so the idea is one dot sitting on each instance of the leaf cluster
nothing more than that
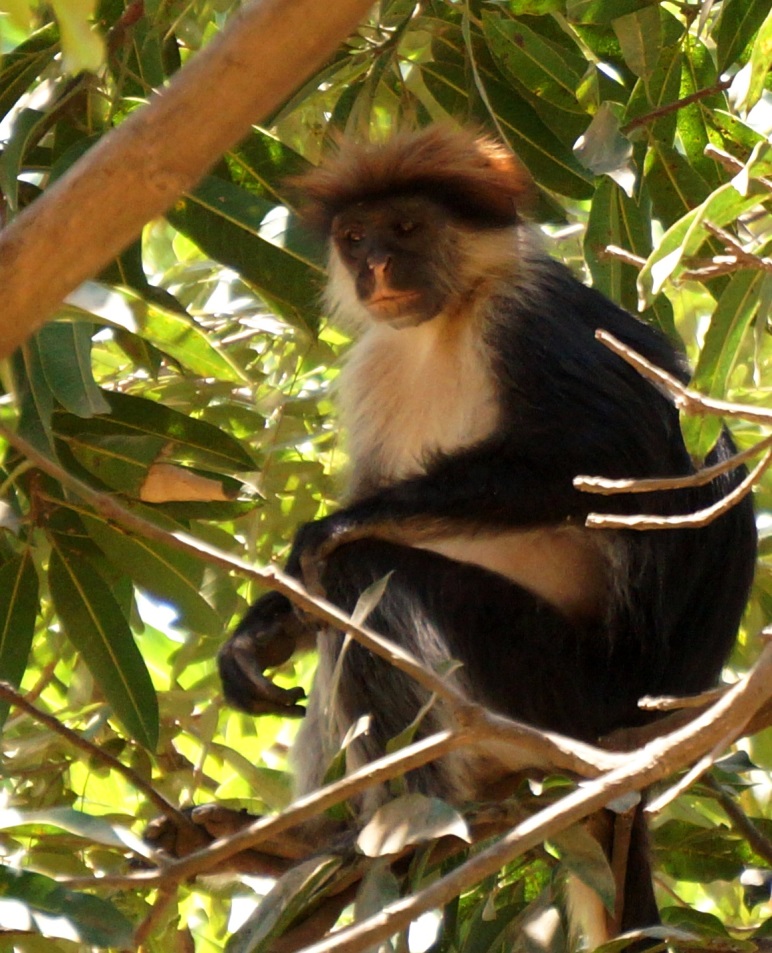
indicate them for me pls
(191, 379)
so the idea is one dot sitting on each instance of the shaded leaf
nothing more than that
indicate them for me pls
(33, 903)
(98, 629)
(584, 857)
(234, 226)
(65, 356)
(18, 611)
(170, 575)
(290, 895)
(186, 439)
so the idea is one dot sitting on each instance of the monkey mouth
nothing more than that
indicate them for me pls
(388, 304)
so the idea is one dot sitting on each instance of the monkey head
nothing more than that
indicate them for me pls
(414, 226)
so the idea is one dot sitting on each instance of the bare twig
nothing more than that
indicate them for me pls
(696, 519)
(686, 399)
(9, 694)
(731, 164)
(605, 487)
(674, 106)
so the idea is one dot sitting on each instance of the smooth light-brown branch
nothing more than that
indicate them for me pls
(696, 519)
(136, 171)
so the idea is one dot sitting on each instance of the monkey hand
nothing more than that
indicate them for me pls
(267, 636)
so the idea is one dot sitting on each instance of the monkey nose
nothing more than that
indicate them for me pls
(379, 265)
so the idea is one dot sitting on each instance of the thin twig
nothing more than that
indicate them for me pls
(686, 399)
(9, 694)
(696, 519)
(677, 104)
(602, 486)
(731, 164)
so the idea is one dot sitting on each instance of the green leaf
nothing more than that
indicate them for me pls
(289, 897)
(760, 64)
(674, 186)
(551, 162)
(583, 856)
(235, 227)
(33, 903)
(27, 128)
(94, 829)
(689, 233)
(602, 12)
(34, 397)
(730, 321)
(120, 462)
(18, 611)
(526, 57)
(739, 23)
(65, 356)
(640, 37)
(98, 629)
(23, 65)
(698, 854)
(168, 574)
(170, 331)
(187, 440)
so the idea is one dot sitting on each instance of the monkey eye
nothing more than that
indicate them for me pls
(353, 235)
(405, 227)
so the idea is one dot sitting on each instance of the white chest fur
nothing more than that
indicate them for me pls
(408, 393)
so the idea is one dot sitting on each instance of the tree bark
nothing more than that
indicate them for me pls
(138, 169)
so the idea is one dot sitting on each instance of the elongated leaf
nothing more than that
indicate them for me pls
(170, 331)
(601, 12)
(28, 125)
(698, 74)
(616, 219)
(119, 461)
(18, 610)
(33, 395)
(761, 62)
(95, 829)
(740, 21)
(24, 64)
(229, 224)
(552, 163)
(36, 904)
(187, 439)
(730, 321)
(734, 312)
(168, 574)
(98, 629)
(65, 357)
(640, 36)
(526, 57)
(688, 234)
(290, 895)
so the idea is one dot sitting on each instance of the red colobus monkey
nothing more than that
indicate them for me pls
(474, 395)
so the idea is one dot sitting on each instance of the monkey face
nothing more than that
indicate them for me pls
(400, 252)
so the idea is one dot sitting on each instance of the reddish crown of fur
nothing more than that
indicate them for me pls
(473, 176)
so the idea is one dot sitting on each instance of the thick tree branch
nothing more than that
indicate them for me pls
(137, 171)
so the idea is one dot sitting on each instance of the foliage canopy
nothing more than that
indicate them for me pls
(191, 379)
